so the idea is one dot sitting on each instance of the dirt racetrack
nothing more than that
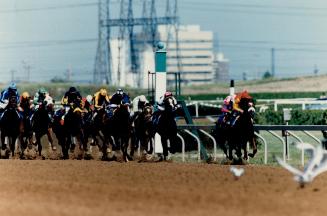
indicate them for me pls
(109, 188)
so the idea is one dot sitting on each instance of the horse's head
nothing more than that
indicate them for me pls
(147, 112)
(169, 104)
(12, 103)
(248, 106)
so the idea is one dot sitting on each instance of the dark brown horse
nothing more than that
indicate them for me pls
(165, 125)
(41, 122)
(143, 130)
(11, 127)
(117, 129)
(237, 131)
(70, 132)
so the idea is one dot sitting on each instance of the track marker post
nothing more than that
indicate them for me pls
(160, 85)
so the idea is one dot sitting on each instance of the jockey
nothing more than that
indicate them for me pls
(42, 97)
(226, 110)
(139, 103)
(161, 106)
(161, 102)
(26, 104)
(88, 103)
(11, 91)
(101, 98)
(237, 110)
(120, 97)
(71, 99)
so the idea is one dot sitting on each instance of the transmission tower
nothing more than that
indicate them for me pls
(102, 69)
(127, 23)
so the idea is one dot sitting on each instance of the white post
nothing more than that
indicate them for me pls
(197, 109)
(161, 85)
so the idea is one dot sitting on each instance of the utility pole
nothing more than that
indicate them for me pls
(12, 75)
(68, 74)
(273, 62)
(27, 69)
(315, 70)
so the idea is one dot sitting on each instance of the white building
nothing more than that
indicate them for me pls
(221, 68)
(195, 57)
(195, 54)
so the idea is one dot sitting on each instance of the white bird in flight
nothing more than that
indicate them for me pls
(237, 172)
(316, 165)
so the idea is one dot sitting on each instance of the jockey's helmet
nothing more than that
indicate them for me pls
(227, 100)
(12, 86)
(142, 99)
(72, 89)
(103, 92)
(120, 91)
(168, 94)
(89, 98)
(25, 95)
(42, 91)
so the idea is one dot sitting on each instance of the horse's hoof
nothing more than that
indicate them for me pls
(160, 159)
(253, 154)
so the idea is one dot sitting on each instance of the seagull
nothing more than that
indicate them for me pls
(237, 172)
(316, 165)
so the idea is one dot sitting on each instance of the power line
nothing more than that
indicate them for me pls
(267, 42)
(250, 11)
(91, 4)
(261, 6)
(45, 43)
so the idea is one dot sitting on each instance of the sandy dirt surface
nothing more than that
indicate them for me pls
(110, 188)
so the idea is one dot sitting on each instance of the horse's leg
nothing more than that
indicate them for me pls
(12, 141)
(134, 143)
(50, 139)
(3, 145)
(164, 147)
(245, 150)
(221, 141)
(254, 147)
(125, 144)
(151, 144)
(38, 142)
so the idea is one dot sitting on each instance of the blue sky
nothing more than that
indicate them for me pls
(245, 32)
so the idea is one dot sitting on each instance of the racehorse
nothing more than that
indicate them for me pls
(41, 124)
(11, 127)
(27, 133)
(70, 132)
(143, 130)
(235, 132)
(92, 126)
(117, 125)
(165, 125)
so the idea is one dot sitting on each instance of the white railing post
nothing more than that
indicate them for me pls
(214, 143)
(283, 142)
(198, 141)
(301, 141)
(196, 109)
(266, 147)
(183, 146)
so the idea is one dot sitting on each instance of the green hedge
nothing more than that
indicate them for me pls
(267, 95)
(299, 117)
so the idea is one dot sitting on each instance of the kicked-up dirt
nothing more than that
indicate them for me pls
(72, 187)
